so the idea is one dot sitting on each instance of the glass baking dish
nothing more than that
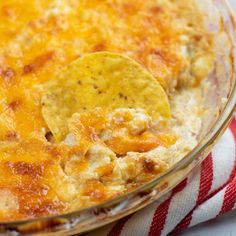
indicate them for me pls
(219, 93)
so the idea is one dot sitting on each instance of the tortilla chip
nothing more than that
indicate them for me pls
(102, 79)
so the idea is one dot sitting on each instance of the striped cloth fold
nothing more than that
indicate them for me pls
(210, 192)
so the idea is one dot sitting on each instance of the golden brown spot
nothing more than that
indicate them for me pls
(159, 53)
(12, 136)
(43, 208)
(54, 151)
(8, 73)
(156, 9)
(38, 63)
(100, 47)
(165, 57)
(14, 105)
(197, 37)
(148, 165)
(28, 68)
(8, 76)
(23, 168)
(34, 201)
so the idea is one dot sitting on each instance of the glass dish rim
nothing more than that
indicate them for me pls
(217, 129)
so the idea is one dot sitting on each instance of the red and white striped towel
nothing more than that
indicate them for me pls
(209, 193)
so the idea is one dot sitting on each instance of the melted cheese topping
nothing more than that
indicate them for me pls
(37, 38)
(35, 48)
(123, 130)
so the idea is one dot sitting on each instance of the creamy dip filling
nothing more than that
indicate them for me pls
(121, 173)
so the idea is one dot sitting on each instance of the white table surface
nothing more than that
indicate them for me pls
(223, 225)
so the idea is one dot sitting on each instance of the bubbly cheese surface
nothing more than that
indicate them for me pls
(39, 37)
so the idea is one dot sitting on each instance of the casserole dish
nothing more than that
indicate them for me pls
(219, 100)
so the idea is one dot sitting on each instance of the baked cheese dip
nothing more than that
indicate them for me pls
(96, 98)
